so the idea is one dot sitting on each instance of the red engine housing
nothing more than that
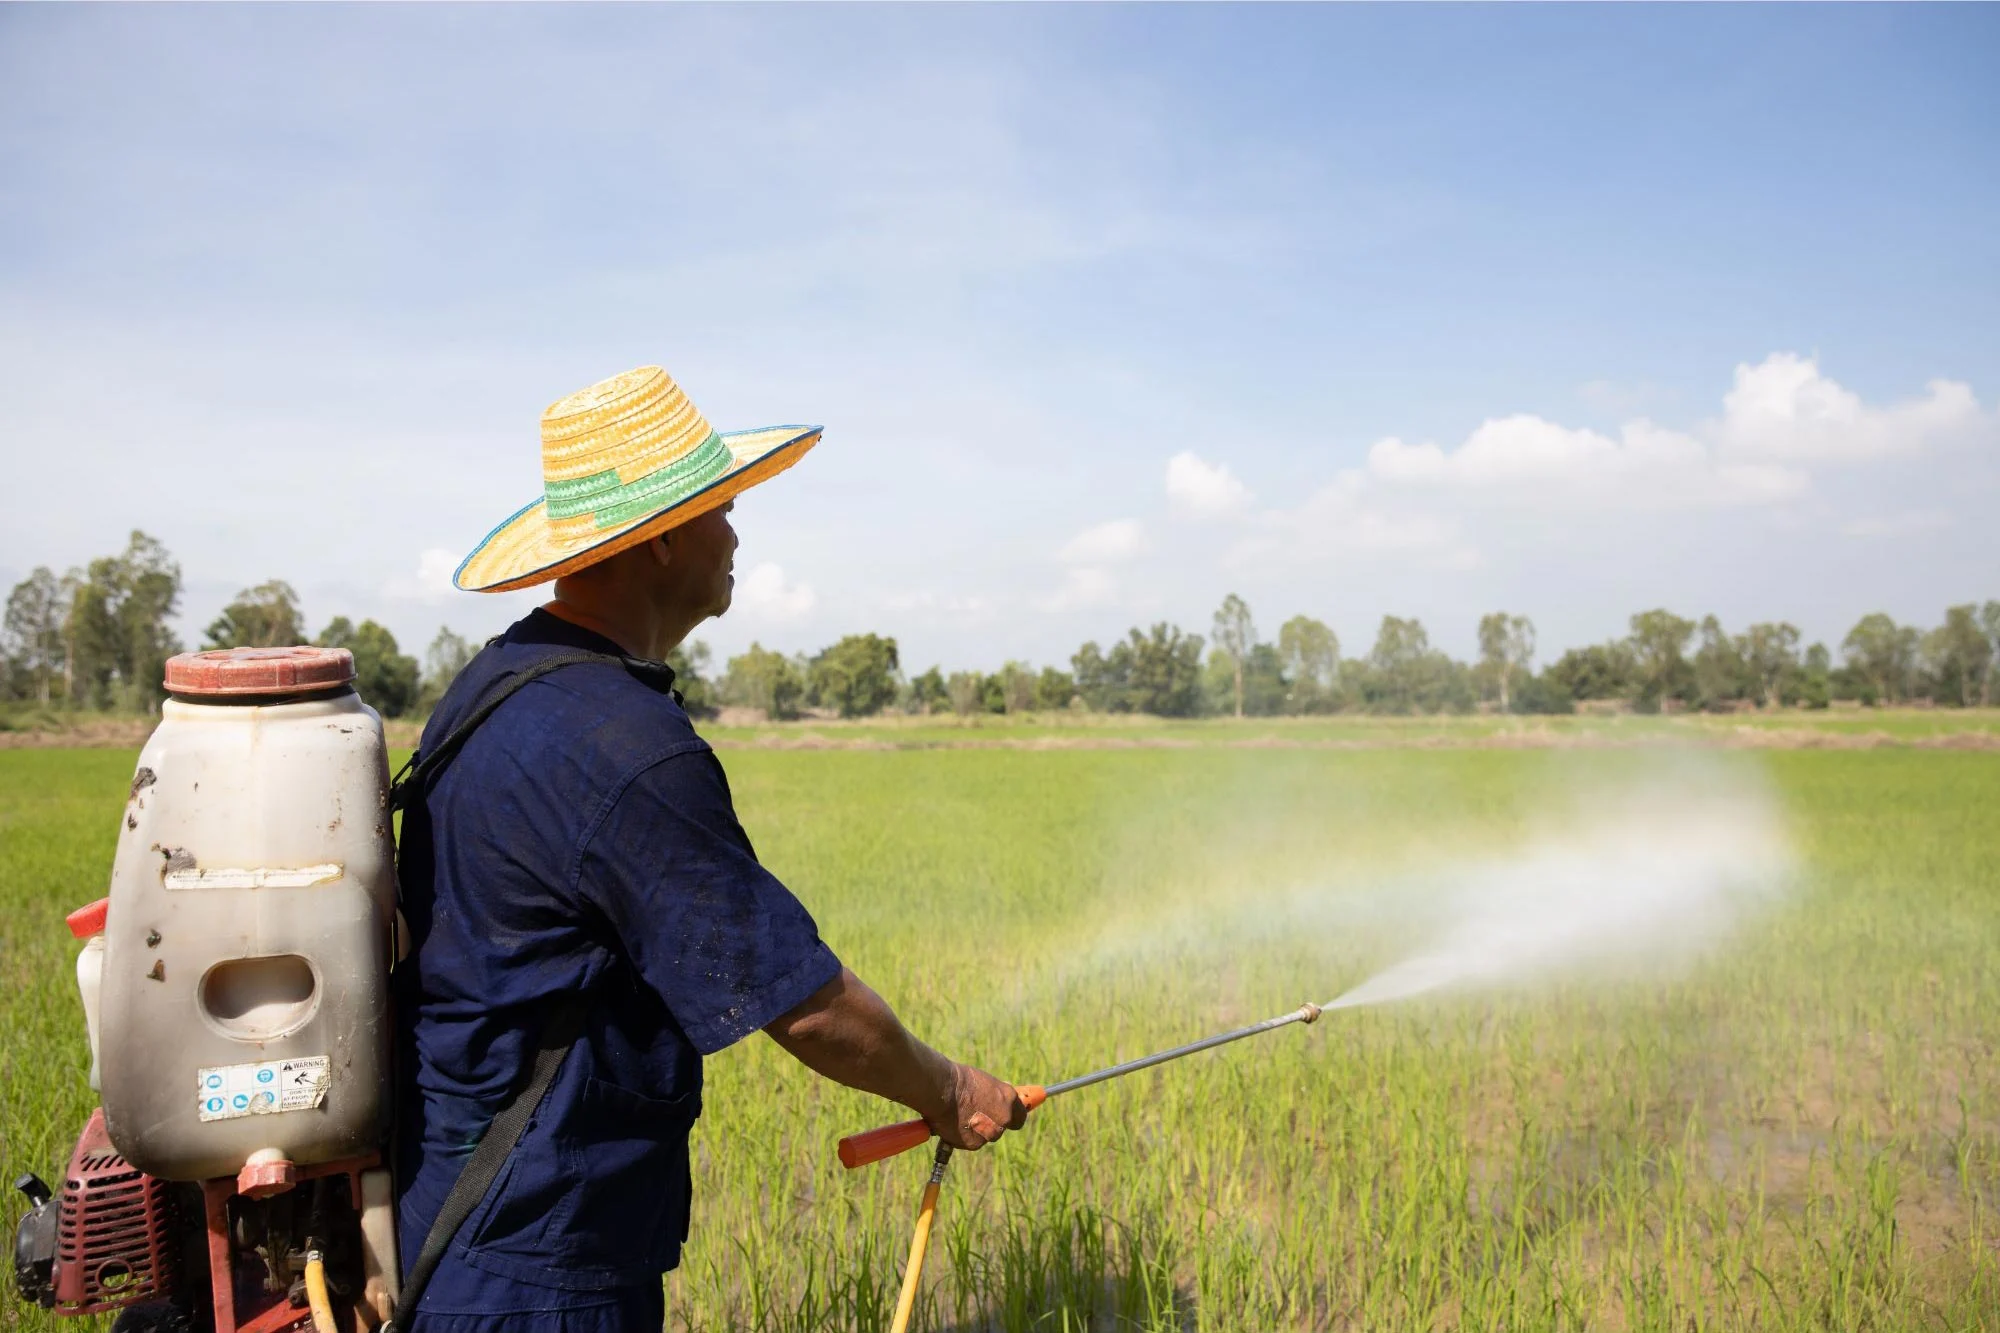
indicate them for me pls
(219, 1256)
(115, 1242)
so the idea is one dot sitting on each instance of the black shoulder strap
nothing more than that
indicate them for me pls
(417, 772)
(560, 1033)
(479, 1173)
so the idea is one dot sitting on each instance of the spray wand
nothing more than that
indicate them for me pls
(857, 1150)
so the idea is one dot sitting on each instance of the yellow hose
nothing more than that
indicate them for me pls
(316, 1297)
(920, 1244)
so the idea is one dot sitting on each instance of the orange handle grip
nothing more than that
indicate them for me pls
(874, 1145)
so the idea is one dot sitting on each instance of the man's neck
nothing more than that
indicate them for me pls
(640, 635)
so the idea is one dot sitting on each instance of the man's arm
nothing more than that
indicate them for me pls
(846, 1032)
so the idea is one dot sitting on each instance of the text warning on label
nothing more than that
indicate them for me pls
(229, 1091)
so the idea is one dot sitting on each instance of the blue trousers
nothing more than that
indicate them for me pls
(462, 1299)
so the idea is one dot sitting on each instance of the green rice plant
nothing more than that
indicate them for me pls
(1797, 1130)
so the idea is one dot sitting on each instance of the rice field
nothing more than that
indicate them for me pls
(1799, 1130)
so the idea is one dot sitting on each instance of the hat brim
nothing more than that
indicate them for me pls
(522, 552)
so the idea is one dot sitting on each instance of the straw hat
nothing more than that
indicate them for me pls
(623, 461)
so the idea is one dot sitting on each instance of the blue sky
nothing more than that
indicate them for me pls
(1107, 311)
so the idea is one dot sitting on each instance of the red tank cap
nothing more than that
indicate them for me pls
(266, 1174)
(88, 920)
(239, 671)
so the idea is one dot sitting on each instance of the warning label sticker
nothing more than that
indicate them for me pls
(229, 1091)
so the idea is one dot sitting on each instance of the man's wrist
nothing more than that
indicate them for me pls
(938, 1102)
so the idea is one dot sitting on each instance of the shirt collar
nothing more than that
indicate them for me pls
(542, 627)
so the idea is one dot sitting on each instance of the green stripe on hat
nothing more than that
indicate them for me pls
(611, 502)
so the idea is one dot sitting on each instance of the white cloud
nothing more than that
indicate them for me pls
(1343, 518)
(1204, 490)
(1782, 424)
(1087, 583)
(766, 594)
(1783, 407)
(1107, 543)
(431, 582)
(1897, 525)
(1085, 586)
(1780, 416)
(1537, 462)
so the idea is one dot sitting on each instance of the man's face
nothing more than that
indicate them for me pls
(701, 555)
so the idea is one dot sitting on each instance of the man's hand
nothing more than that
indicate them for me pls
(983, 1108)
(846, 1032)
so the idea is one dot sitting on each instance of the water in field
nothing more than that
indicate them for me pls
(1612, 873)
(1643, 875)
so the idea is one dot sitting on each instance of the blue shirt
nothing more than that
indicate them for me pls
(583, 842)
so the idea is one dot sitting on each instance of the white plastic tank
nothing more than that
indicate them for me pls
(90, 984)
(244, 1003)
(87, 924)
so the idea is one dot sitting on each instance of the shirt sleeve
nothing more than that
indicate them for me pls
(726, 946)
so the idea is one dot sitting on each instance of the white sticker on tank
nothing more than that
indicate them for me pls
(261, 877)
(229, 1091)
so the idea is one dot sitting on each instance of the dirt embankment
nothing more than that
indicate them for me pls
(94, 734)
(1705, 738)
(131, 733)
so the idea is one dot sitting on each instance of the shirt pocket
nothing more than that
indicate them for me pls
(628, 1154)
(525, 1212)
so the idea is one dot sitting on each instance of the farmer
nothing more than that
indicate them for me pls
(581, 850)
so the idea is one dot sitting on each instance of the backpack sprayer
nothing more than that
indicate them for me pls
(858, 1150)
(235, 991)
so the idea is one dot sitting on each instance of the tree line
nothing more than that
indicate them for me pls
(1665, 663)
(99, 637)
